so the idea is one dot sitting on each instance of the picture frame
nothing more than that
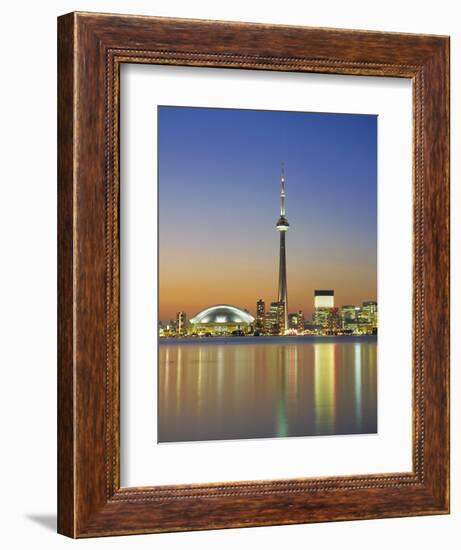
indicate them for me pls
(91, 49)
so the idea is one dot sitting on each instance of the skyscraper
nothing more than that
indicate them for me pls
(260, 313)
(282, 316)
(324, 300)
(282, 228)
(273, 320)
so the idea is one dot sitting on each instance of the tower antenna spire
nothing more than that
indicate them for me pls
(282, 193)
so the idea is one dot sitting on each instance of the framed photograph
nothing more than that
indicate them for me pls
(253, 275)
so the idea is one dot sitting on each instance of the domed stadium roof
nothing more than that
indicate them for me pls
(223, 314)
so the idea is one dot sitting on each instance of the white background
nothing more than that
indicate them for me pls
(28, 274)
(142, 89)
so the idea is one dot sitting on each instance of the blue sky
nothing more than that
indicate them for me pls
(219, 187)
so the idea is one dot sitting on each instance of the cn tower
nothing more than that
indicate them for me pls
(282, 228)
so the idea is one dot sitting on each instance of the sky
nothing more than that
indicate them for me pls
(219, 200)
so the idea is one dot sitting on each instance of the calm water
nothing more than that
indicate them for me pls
(242, 388)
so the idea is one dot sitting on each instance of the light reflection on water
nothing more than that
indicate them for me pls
(243, 388)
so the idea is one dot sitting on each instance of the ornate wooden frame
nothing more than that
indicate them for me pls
(91, 49)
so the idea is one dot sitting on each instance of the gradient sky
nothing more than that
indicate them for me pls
(219, 189)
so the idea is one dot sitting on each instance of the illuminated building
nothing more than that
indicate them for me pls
(300, 326)
(361, 316)
(282, 228)
(274, 319)
(370, 313)
(324, 300)
(221, 320)
(333, 321)
(268, 322)
(360, 320)
(166, 330)
(320, 317)
(180, 324)
(296, 321)
(293, 321)
(282, 317)
(260, 314)
(348, 318)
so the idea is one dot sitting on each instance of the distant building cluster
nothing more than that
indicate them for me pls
(228, 320)
(348, 319)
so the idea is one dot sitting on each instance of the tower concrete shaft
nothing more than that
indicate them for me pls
(282, 297)
(282, 228)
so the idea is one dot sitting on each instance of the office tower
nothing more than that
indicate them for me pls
(282, 317)
(271, 319)
(274, 319)
(260, 314)
(324, 300)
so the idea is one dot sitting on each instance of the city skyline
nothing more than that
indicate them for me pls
(229, 320)
(219, 212)
(254, 311)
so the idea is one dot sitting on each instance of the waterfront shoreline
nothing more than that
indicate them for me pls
(267, 339)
